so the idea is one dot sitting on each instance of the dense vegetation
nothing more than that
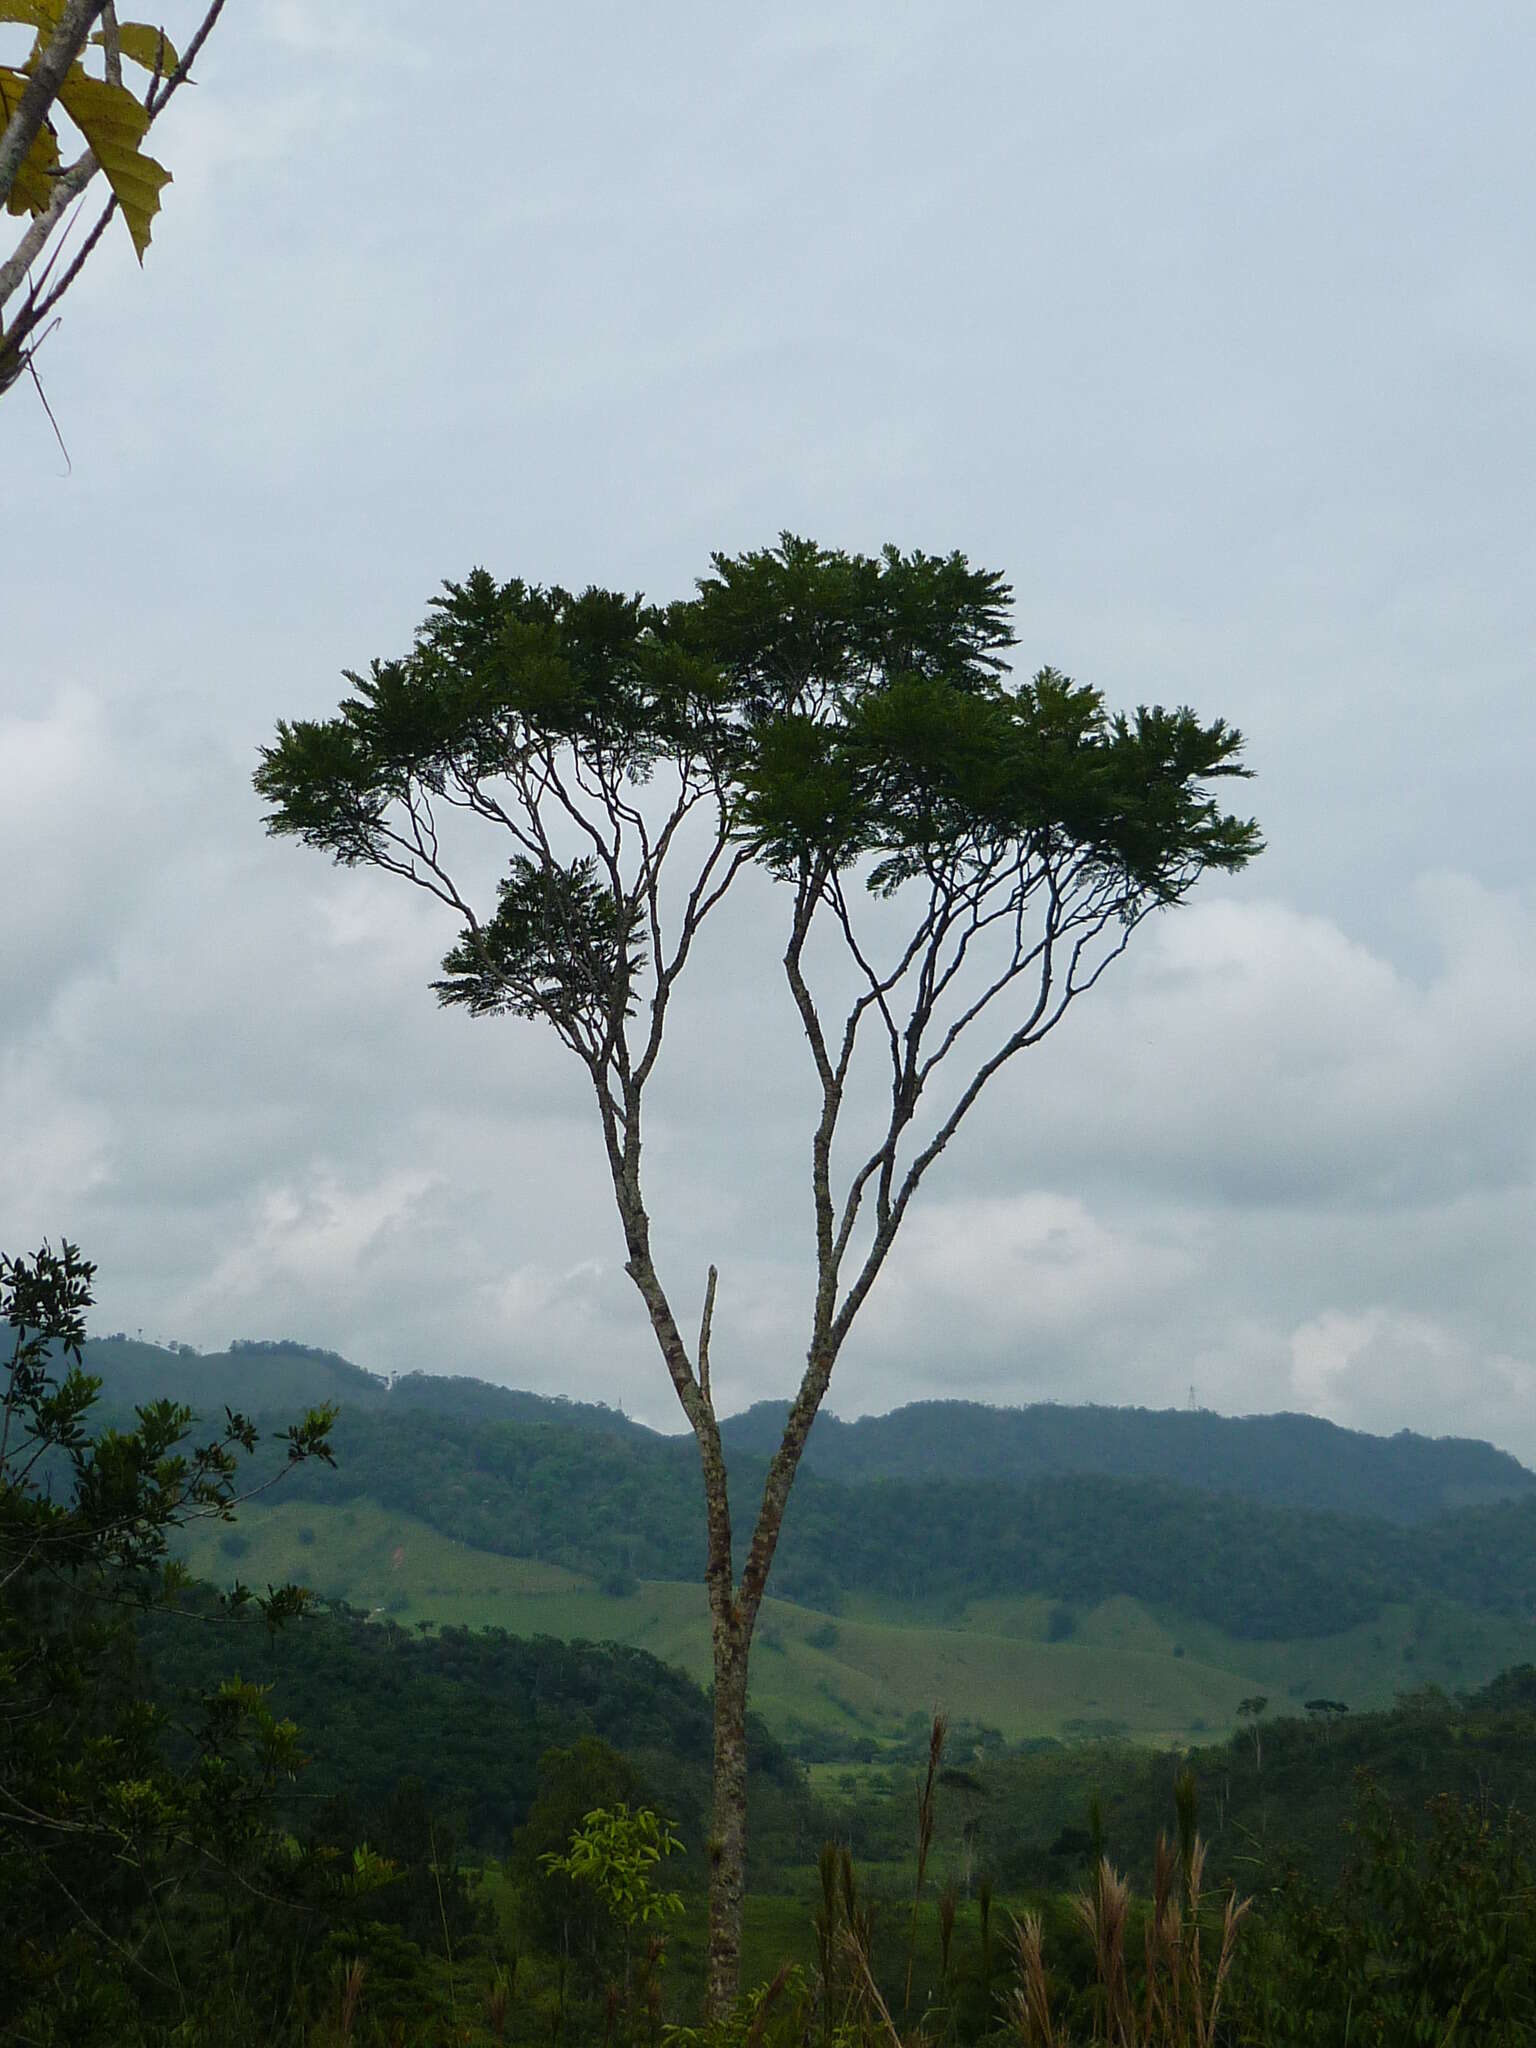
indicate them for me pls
(580, 1486)
(466, 1715)
(611, 1506)
(271, 1376)
(367, 1835)
(1271, 1800)
(1296, 1461)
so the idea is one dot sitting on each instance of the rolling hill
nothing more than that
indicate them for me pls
(1294, 1461)
(1038, 1596)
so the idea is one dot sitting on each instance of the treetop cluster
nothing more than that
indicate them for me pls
(837, 707)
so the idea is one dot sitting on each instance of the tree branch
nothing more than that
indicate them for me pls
(66, 189)
(705, 1322)
(76, 20)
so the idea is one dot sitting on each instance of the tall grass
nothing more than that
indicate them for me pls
(927, 1809)
(1178, 2003)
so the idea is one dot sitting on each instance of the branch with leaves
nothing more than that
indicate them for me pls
(92, 1800)
(75, 70)
(79, 1507)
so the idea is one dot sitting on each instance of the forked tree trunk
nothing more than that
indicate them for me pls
(733, 1608)
(733, 1611)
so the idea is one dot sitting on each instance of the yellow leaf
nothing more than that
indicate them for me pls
(32, 187)
(150, 47)
(113, 123)
(37, 14)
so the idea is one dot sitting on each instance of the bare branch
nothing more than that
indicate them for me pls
(705, 1321)
(879, 987)
(800, 988)
(38, 311)
(159, 93)
(112, 51)
(67, 188)
(701, 900)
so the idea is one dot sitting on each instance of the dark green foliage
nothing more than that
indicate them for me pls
(831, 709)
(1037, 1803)
(147, 1889)
(468, 1714)
(600, 1504)
(454, 1395)
(559, 1915)
(271, 1378)
(1391, 1872)
(558, 946)
(119, 1843)
(594, 1503)
(583, 1487)
(1415, 1924)
(256, 1377)
(1295, 1461)
(883, 727)
(1429, 1934)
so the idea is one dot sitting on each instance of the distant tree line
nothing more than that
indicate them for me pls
(609, 1504)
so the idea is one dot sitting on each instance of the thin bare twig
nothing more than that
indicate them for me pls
(704, 1328)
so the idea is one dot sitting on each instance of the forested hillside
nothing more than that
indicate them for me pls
(615, 1508)
(467, 1715)
(522, 1476)
(1288, 1460)
(404, 1868)
(1296, 1461)
(271, 1376)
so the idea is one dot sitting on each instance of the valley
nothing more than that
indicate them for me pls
(846, 1686)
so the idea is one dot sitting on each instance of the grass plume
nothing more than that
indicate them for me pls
(927, 1808)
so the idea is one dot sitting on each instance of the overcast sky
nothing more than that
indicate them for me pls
(1213, 328)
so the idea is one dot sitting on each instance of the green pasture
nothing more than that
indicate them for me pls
(1026, 1667)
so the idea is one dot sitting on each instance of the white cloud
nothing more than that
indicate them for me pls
(1380, 1369)
(1237, 399)
(1004, 1272)
(1255, 1054)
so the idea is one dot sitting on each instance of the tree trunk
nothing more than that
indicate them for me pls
(733, 1610)
(728, 1828)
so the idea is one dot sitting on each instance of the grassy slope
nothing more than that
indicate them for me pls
(875, 1665)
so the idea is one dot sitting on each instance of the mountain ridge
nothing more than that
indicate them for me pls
(1284, 1460)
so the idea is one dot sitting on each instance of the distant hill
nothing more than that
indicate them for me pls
(1268, 1527)
(620, 1511)
(268, 1377)
(477, 1400)
(255, 1377)
(1292, 1461)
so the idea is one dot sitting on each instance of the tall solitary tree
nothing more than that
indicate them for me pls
(959, 855)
